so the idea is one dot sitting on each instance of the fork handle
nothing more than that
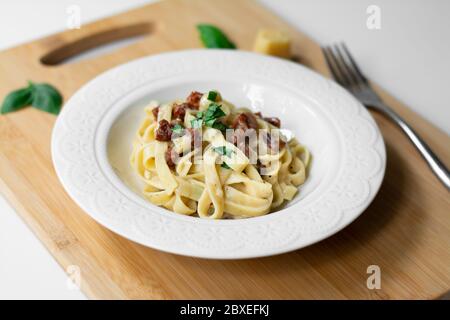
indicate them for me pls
(430, 157)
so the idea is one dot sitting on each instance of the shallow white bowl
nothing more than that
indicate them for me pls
(91, 145)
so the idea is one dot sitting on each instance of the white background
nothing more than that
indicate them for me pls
(408, 56)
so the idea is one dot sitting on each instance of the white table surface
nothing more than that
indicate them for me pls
(408, 56)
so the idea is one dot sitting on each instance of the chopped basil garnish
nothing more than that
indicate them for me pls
(178, 129)
(196, 123)
(224, 151)
(220, 126)
(224, 165)
(209, 118)
(212, 96)
(213, 112)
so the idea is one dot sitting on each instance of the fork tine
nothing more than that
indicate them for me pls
(328, 61)
(353, 64)
(346, 68)
(329, 58)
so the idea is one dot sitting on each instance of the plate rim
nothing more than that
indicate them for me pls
(129, 228)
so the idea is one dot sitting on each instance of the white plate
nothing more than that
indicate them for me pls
(92, 138)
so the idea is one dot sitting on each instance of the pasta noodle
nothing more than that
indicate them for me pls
(195, 159)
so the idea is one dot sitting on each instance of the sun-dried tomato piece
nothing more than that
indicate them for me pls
(245, 121)
(164, 131)
(194, 99)
(273, 121)
(179, 110)
(170, 157)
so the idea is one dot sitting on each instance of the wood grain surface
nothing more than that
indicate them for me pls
(405, 231)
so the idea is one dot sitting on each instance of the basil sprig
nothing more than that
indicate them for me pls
(41, 96)
(213, 37)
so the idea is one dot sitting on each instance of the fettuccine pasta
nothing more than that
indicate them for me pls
(207, 158)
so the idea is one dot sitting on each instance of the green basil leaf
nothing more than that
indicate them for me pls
(178, 129)
(16, 100)
(209, 118)
(219, 126)
(212, 96)
(45, 97)
(213, 37)
(224, 165)
(213, 112)
(224, 151)
(196, 123)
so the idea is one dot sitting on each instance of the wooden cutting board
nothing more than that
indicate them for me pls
(406, 230)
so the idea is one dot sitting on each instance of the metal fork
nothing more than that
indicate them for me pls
(347, 73)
